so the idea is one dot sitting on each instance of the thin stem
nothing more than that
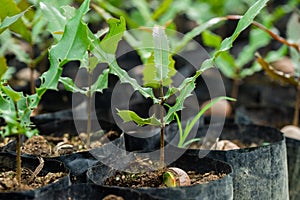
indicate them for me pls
(32, 66)
(162, 128)
(89, 122)
(18, 150)
(296, 112)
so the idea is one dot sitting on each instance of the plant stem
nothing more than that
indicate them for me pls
(32, 66)
(89, 122)
(162, 128)
(18, 150)
(296, 112)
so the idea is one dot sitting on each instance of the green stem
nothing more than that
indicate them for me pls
(89, 122)
(32, 66)
(162, 128)
(18, 150)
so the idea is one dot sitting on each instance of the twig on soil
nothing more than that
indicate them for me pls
(38, 169)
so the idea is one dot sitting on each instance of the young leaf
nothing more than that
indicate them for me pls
(15, 96)
(70, 85)
(185, 89)
(160, 66)
(116, 69)
(128, 116)
(116, 29)
(101, 83)
(210, 39)
(72, 46)
(11, 20)
(243, 23)
(10, 8)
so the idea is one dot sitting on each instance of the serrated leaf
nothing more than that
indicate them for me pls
(159, 68)
(73, 46)
(130, 116)
(101, 83)
(116, 29)
(9, 8)
(56, 21)
(245, 21)
(116, 69)
(185, 89)
(70, 85)
(15, 96)
(9, 20)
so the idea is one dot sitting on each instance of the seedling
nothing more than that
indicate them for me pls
(162, 69)
(15, 109)
(190, 124)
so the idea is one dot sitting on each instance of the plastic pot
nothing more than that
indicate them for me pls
(92, 191)
(8, 161)
(258, 172)
(219, 189)
(293, 149)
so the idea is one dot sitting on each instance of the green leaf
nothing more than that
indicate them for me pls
(245, 21)
(116, 29)
(3, 67)
(15, 96)
(101, 83)
(185, 90)
(160, 66)
(56, 21)
(212, 40)
(144, 10)
(9, 8)
(293, 28)
(162, 8)
(70, 85)
(8, 21)
(116, 69)
(73, 46)
(128, 116)
(227, 64)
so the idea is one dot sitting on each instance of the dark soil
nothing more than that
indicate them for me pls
(51, 146)
(8, 180)
(154, 178)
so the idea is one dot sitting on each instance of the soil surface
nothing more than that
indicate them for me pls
(8, 180)
(51, 146)
(154, 178)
